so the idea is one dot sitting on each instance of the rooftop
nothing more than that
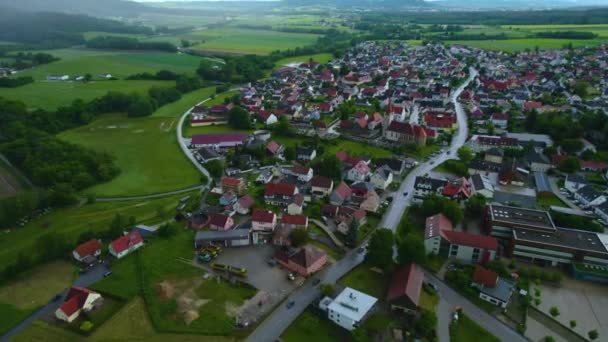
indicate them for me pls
(353, 304)
(566, 238)
(502, 291)
(524, 218)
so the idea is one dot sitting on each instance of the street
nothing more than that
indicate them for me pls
(274, 325)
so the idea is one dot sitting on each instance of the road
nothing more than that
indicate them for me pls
(184, 146)
(84, 280)
(162, 194)
(272, 327)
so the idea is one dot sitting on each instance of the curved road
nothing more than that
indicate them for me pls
(272, 327)
(183, 143)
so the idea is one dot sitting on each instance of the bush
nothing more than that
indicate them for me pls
(572, 324)
(593, 335)
(554, 311)
(86, 326)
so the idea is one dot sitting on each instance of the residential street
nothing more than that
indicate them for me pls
(84, 280)
(281, 318)
(183, 143)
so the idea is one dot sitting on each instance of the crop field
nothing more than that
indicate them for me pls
(50, 95)
(600, 29)
(247, 41)
(71, 222)
(513, 45)
(146, 152)
(94, 34)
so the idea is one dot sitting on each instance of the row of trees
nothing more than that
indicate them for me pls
(6, 82)
(126, 43)
(25, 60)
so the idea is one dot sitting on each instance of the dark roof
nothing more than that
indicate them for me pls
(262, 216)
(217, 138)
(565, 238)
(428, 183)
(407, 281)
(471, 240)
(321, 182)
(524, 218)
(542, 182)
(588, 193)
(307, 256)
(218, 220)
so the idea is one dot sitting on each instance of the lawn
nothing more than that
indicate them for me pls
(547, 200)
(51, 95)
(319, 58)
(43, 331)
(71, 222)
(428, 299)
(219, 99)
(248, 41)
(177, 108)
(356, 149)
(146, 152)
(11, 316)
(363, 279)
(466, 330)
(310, 327)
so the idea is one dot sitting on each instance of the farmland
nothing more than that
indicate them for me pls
(520, 44)
(146, 152)
(71, 222)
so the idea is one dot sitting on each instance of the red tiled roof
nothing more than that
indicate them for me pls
(75, 299)
(484, 277)
(407, 281)
(343, 191)
(500, 116)
(321, 182)
(263, 216)
(273, 147)
(124, 242)
(88, 248)
(300, 220)
(435, 225)
(281, 189)
(407, 128)
(471, 240)
(218, 220)
(528, 105)
(459, 186)
(231, 181)
(307, 256)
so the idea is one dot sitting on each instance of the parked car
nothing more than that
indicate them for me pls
(290, 304)
(291, 276)
(433, 286)
(107, 273)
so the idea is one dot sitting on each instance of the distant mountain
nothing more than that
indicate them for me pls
(516, 4)
(100, 8)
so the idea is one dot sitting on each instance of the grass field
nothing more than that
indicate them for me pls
(51, 95)
(247, 41)
(73, 221)
(512, 45)
(11, 316)
(146, 152)
(177, 108)
(600, 29)
(357, 149)
(310, 327)
(466, 330)
(319, 58)
(43, 331)
(363, 279)
(190, 131)
(546, 201)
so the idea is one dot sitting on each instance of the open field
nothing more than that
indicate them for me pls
(94, 34)
(363, 279)
(146, 152)
(310, 327)
(512, 45)
(51, 95)
(320, 58)
(600, 29)
(179, 107)
(247, 41)
(71, 222)
(43, 331)
(190, 131)
(465, 330)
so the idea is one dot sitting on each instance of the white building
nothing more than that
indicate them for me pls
(574, 182)
(350, 308)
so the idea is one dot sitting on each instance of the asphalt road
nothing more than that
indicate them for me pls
(184, 146)
(272, 327)
(84, 280)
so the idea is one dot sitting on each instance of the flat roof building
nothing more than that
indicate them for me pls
(350, 308)
(501, 220)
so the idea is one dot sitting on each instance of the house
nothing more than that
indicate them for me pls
(288, 224)
(78, 300)
(57, 77)
(350, 308)
(228, 198)
(575, 182)
(297, 205)
(91, 248)
(306, 153)
(280, 194)
(500, 120)
(228, 238)
(218, 141)
(304, 261)
(321, 186)
(588, 196)
(382, 178)
(458, 189)
(494, 155)
(341, 194)
(396, 165)
(405, 288)
(265, 176)
(235, 185)
(267, 118)
(359, 172)
(243, 205)
(491, 287)
(198, 221)
(481, 184)
(303, 173)
(274, 148)
(263, 223)
(220, 222)
(126, 244)
(538, 162)
(424, 186)
(371, 202)
(346, 217)
(406, 133)
(441, 239)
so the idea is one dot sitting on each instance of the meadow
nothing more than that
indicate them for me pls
(514, 45)
(71, 222)
(146, 151)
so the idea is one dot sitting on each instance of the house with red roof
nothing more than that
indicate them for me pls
(263, 223)
(280, 194)
(303, 173)
(321, 186)
(532, 105)
(347, 216)
(126, 244)
(243, 205)
(440, 120)
(288, 224)
(304, 261)
(78, 300)
(458, 189)
(406, 133)
(405, 289)
(359, 172)
(274, 148)
(235, 185)
(440, 238)
(342, 193)
(267, 118)
(500, 120)
(220, 222)
(492, 288)
(91, 248)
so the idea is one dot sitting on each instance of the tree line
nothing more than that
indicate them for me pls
(126, 43)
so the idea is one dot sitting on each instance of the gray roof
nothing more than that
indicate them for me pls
(588, 193)
(211, 235)
(506, 196)
(502, 291)
(563, 237)
(542, 182)
(580, 179)
(535, 219)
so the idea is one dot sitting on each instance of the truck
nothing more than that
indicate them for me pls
(241, 272)
(219, 267)
(204, 257)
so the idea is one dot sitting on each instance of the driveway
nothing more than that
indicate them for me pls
(94, 275)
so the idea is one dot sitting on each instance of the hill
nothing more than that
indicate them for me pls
(105, 8)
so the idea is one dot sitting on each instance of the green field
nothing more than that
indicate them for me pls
(71, 222)
(177, 108)
(465, 330)
(310, 327)
(319, 58)
(513, 45)
(146, 152)
(600, 29)
(247, 41)
(51, 95)
(361, 278)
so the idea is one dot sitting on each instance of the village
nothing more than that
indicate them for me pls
(315, 162)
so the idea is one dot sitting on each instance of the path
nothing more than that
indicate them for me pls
(162, 194)
(184, 146)
(274, 325)
(328, 232)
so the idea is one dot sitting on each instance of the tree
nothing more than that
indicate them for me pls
(475, 206)
(411, 249)
(331, 167)
(87, 78)
(434, 204)
(581, 88)
(569, 165)
(554, 311)
(310, 323)
(380, 248)
(465, 154)
(351, 235)
(239, 118)
(140, 106)
(572, 324)
(327, 289)
(215, 168)
(289, 153)
(299, 237)
(593, 335)
(425, 325)
(549, 339)
(166, 231)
